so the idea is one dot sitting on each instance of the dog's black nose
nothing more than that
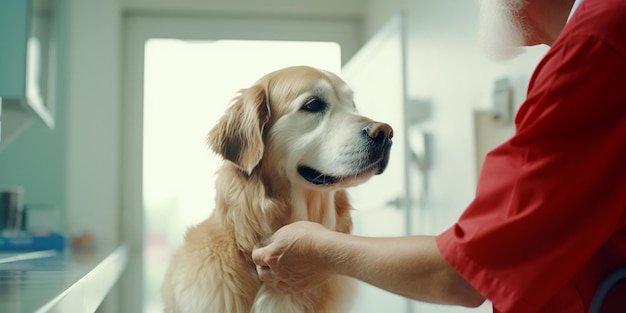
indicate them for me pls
(379, 131)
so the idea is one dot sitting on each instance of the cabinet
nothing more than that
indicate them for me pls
(27, 64)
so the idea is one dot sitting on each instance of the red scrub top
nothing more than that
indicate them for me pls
(548, 223)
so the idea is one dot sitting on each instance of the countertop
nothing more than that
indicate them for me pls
(52, 281)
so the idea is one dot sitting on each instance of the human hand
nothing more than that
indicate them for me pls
(293, 258)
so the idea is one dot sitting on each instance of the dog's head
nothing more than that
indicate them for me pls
(301, 123)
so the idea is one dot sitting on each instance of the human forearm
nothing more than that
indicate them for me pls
(303, 255)
(408, 266)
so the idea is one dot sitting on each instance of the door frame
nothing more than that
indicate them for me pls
(137, 29)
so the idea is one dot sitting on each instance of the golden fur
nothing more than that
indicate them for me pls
(265, 136)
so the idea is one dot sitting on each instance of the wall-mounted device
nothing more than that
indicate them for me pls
(418, 111)
(503, 101)
(420, 144)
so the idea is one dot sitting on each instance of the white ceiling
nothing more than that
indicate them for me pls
(344, 9)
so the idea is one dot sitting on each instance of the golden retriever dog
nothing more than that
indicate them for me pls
(292, 143)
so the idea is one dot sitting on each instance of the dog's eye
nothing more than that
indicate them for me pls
(314, 105)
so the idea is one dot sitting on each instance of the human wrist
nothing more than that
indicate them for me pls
(328, 246)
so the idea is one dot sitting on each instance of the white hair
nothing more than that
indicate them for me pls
(500, 31)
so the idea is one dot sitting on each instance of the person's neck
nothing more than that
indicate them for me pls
(544, 20)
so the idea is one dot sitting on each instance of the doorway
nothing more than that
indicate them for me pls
(139, 33)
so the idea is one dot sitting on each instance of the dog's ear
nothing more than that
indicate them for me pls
(238, 135)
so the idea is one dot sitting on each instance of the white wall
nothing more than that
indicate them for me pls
(447, 66)
(93, 128)
(93, 94)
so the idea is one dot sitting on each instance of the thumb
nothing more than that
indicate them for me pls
(259, 253)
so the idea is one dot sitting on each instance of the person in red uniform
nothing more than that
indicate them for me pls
(548, 222)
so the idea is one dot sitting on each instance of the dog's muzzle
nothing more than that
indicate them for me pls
(374, 160)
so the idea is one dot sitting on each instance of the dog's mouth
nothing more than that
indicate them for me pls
(318, 178)
(315, 177)
(376, 164)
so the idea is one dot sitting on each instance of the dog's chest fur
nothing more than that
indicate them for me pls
(245, 214)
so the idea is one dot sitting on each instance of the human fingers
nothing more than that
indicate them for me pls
(259, 252)
(265, 273)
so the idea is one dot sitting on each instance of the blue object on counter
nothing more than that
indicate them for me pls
(33, 242)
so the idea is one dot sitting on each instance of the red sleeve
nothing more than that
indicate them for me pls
(550, 197)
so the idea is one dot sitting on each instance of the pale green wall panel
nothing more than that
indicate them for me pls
(13, 29)
(36, 158)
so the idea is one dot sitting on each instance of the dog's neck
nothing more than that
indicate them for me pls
(305, 204)
(252, 207)
(315, 206)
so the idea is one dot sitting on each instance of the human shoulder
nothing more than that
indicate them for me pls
(603, 20)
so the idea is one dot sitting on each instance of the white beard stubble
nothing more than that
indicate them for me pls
(500, 32)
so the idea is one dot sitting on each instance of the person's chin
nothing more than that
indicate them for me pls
(499, 51)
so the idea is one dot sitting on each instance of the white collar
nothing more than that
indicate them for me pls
(574, 7)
